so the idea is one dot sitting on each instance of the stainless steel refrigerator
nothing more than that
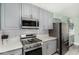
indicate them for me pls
(61, 31)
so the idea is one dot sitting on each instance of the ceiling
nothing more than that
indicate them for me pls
(68, 9)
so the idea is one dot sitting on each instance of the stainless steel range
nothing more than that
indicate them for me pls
(31, 45)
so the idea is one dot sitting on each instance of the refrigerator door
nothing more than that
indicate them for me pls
(61, 31)
(55, 32)
(64, 38)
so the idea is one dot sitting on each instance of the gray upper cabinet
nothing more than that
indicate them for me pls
(50, 25)
(45, 21)
(26, 10)
(29, 10)
(35, 12)
(11, 13)
(41, 22)
(46, 18)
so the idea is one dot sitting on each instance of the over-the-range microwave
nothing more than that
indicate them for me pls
(30, 24)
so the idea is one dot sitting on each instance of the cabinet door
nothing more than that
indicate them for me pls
(12, 16)
(41, 22)
(46, 19)
(35, 12)
(26, 10)
(51, 47)
(50, 25)
(44, 48)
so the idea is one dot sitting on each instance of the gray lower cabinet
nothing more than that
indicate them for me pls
(49, 47)
(13, 52)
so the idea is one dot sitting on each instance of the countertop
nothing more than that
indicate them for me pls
(10, 44)
(45, 38)
(14, 43)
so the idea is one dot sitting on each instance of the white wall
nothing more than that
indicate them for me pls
(69, 9)
(76, 29)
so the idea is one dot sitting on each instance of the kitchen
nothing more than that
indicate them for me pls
(27, 29)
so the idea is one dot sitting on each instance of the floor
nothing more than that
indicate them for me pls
(73, 50)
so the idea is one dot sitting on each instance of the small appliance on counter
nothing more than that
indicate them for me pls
(31, 45)
(4, 37)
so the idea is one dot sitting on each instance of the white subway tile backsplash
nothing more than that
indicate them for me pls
(14, 33)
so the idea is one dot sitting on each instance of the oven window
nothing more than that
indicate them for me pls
(34, 52)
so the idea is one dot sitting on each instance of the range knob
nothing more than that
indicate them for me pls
(27, 48)
(30, 47)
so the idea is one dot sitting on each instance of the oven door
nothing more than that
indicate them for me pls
(37, 51)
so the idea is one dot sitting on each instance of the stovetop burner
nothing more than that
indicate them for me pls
(30, 41)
